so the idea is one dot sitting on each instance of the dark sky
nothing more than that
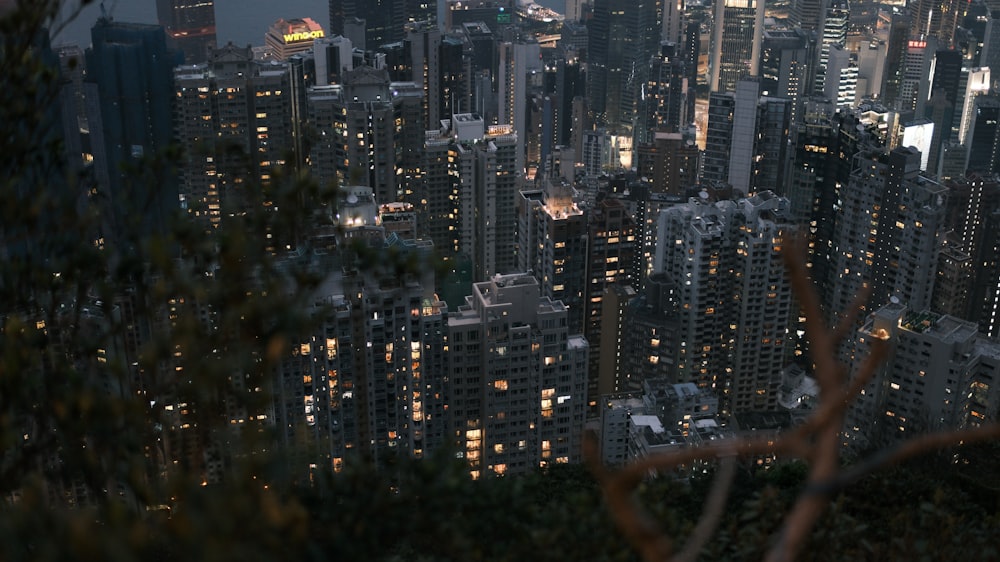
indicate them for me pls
(240, 21)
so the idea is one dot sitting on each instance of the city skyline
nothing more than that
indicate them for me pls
(244, 22)
(489, 233)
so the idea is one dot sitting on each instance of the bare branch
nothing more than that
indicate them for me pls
(847, 323)
(712, 514)
(639, 528)
(920, 445)
(820, 342)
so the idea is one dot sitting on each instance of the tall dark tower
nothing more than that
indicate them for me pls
(130, 73)
(384, 19)
(190, 26)
(623, 35)
(935, 18)
(736, 39)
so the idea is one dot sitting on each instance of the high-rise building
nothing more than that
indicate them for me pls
(668, 101)
(670, 162)
(570, 89)
(333, 57)
(424, 42)
(833, 32)
(718, 136)
(944, 104)
(840, 76)
(785, 63)
(190, 26)
(977, 25)
(896, 45)
(438, 216)
(941, 375)
(623, 35)
(233, 116)
(650, 345)
(746, 142)
(470, 196)
(733, 296)
(383, 20)
(985, 297)
(518, 61)
(488, 186)
(518, 378)
(935, 18)
(807, 15)
(366, 381)
(289, 37)
(613, 243)
(955, 274)
(887, 233)
(871, 68)
(812, 165)
(744, 134)
(983, 137)
(914, 87)
(370, 131)
(552, 244)
(578, 255)
(736, 41)
(130, 88)
(616, 328)
(977, 82)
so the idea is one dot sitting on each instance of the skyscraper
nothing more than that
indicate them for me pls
(370, 132)
(668, 96)
(940, 376)
(935, 18)
(887, 232)
(384, 19)
(234, 120)
(670, 162)
(623, 35)
(785, 65)
(736, 41)
(807, 15)
(488, 186)
(613, 242)
(190, 26)
(288, 37)
(732, 294)
(747, 138)
(130, 80)
(914, 87)
(552, 244)
(984, 135)
(833, 32)
(517, 378)
(366, 379)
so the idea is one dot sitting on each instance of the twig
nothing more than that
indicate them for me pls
(902, 451)
(713, 512)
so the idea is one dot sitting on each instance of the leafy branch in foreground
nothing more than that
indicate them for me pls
(817, 441)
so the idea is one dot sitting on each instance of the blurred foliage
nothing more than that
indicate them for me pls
(74, 415)
(434, 512)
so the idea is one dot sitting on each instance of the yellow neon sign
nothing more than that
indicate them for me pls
(300, 36)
